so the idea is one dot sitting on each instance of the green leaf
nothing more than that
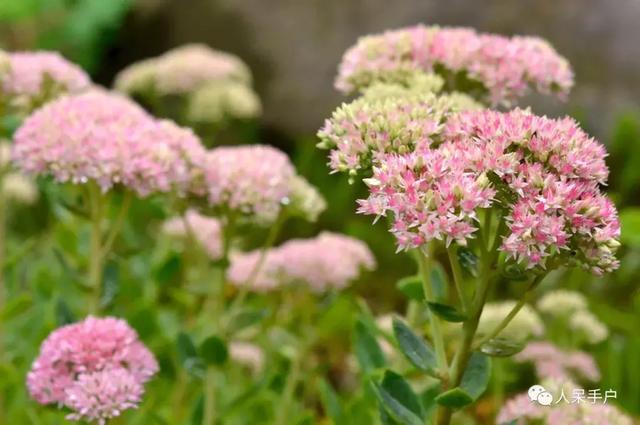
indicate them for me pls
(214, 351)
(411, 287)
(331, 403)
(16, 307)
(428, 398)
(385, 418)
(455, 398)
(109, 284)
(415, 348)
(468, 261)
(64, 315)
(400, 390)
(367, 349)
(247, 318)
(515, 273)
(188, 356)
(474, 383)
(394, 407)
(439, 283)
(169, 270)
(186, 347)
(446, 312)
(501, 347)
(476, 375)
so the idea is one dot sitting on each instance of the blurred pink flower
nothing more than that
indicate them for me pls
(521, 409)
(108, 139)
(28, 71)
(327, 261)
(561, 366)
(253, 180)
(206, 230)
(505, 67)
(92, 345)
(99, 396)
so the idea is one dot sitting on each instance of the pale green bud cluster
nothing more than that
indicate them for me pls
(221, 100)
(305, 200)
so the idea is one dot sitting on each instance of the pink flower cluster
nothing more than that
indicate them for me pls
(524, 411)
(206, 230)
(253, 180)
(107, 139)
(545, 172)
(327, 261)
(27, 71)
(431, 195)
(96, 367)
(506, 67)
(561, 366)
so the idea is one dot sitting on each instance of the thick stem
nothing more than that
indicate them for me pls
(469, 328)
(209, 416)
(95, 253)
(425, 264)
(457, 276)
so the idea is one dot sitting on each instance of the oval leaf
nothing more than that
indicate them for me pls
(446, 312)
(415, 348)
(394, 408)
(476, 375)
(213, 351)
(456, 398)
(501, 347)
(367, 349)
(401, 391)
(411, 287)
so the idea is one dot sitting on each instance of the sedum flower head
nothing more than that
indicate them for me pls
(385, 120)
(587, 325)
(36, 77)
(562, 302)
(86, 347)
(560, 366)
(182, 70)
(207, 231)
(247, 354)
(251, 180)
(328, 261)
(524, 325)
(219, 101)
(109, 140)
(545, 172)
(305, 200)
(505, 68)
(103, 395)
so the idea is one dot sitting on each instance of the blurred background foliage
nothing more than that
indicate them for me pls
(293, 48)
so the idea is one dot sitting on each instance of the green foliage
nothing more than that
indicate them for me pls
(446, 312)
(414, 348)
(367, 350)
(213, 351)
(398, 400)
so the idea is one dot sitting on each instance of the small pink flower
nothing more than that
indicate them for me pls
(206, 230)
